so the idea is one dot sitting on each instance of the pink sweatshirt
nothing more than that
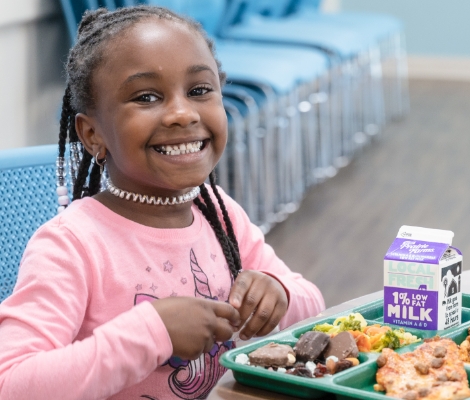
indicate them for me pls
(78, 325)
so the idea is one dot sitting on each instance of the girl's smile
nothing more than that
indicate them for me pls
(158, 109)
(180, 149)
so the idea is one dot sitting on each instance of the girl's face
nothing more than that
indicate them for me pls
(158, 109)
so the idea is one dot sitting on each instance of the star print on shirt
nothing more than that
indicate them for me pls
(220, 293)
(184, 281)
(138, 287)
(148, 269)
(213, 257)
(153, 287)
(168, 266)
(173, 294)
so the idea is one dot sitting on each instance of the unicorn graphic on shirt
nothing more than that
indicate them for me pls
(194, 379)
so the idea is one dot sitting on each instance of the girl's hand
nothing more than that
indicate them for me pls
(195, 324)
(261, 295)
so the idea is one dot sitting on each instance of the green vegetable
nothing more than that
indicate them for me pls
(389, 340)
(326, 328)
(350, 324)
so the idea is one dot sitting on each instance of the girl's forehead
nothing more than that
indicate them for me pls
(154, 36)
(153, 31)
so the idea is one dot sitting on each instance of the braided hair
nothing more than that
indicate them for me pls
(95, 30)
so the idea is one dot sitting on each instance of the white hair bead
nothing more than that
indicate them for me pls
(62, 190)
(64, 200)
(60, 209)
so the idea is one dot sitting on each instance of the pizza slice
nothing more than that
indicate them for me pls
(433, 371)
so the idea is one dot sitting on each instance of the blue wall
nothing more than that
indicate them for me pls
(432, 27)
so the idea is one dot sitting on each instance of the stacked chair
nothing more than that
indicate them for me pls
(387, 45)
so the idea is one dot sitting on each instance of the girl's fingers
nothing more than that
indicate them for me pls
(223, 330)
(239, 289)
(264, 320)
(261, 301)
(226, 311)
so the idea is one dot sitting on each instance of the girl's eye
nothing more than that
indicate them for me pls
(199, 91)
(147, 98)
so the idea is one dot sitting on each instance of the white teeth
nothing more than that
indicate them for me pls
(183, 148)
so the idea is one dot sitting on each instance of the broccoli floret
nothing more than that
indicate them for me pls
(391, 340)
(350, 324)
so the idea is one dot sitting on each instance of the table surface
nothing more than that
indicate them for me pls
(228, 388)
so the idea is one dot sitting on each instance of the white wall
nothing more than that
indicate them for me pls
(437, 34)
(33, 47)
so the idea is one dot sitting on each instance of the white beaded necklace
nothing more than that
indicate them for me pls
(170, 201)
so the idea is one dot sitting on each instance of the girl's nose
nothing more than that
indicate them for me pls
(180, 112)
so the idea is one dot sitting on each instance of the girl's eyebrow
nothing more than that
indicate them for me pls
(194, 69)
(139, 75)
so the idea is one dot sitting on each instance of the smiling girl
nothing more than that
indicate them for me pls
(135, 289)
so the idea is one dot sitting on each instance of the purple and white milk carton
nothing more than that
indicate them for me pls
(422, 274)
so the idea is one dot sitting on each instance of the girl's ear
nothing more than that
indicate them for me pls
(89, 136)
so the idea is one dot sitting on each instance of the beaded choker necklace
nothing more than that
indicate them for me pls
(170, 201)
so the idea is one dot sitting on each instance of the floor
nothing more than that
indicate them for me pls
(417, 174)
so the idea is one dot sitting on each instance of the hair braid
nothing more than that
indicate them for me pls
(79, 190)
(228, 222)
(94, 183)
(73, 137)
(212, 216)
(227, 248)
(64, 122)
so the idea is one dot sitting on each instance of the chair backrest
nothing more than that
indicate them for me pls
(73, 11)
(239, 10)
(235, 11)
(209, 13)
(28, 190)
(268, 8)
(295, 6)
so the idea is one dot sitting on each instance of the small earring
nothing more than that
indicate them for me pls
(99, 162)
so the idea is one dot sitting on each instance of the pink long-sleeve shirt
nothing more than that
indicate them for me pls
(78, 325)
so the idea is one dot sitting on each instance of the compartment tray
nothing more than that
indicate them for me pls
(354, 383)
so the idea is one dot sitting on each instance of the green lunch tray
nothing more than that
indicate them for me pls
(354, 383)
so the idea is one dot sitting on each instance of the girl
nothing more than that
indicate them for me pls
(135, 291)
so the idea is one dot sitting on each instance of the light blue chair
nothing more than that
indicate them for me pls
(246, 20)
(387, 33)
(28, 188)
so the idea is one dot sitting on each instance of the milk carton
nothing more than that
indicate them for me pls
(422, 273)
